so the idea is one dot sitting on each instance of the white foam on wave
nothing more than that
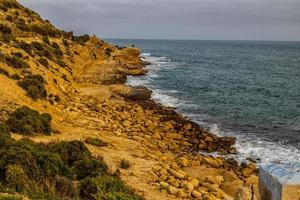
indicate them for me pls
(260, 150)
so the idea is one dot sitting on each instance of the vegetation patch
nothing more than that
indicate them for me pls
(13, 61)
(96, 142)
(44, 62)
(35, 86)
(48, 171)
(106, 188)
(29, 122)
(82, 39)
(124, 164)
(5, 29)
(7, 38)
(26, 47)
(10, 4)
(4, 72)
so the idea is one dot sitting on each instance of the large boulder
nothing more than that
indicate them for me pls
(140, 93)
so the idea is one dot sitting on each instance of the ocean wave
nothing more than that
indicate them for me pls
(256, 148)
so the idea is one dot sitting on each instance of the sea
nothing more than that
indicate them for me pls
(246, 89)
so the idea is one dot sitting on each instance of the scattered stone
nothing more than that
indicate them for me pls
(173, 190)
(196, 194)
(211, 162)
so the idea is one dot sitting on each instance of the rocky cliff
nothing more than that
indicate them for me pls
(78, 84)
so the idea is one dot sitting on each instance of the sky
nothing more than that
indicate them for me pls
(175, 19)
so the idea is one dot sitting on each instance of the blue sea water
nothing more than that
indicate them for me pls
(247, 89)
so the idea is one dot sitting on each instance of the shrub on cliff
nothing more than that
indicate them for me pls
(28, 122)
(89, 168)
(42, 171)
(35, 86)
(124, 164)
(46, 30)
(10, 4)
(96, 142)
(13, 61)
(56, 50)
(4, 72)
(70, 152)
(5, 29)
(44, 62)
(7, 38)
(82, 39)
(25, 46)
(106, 187)
(46, 39)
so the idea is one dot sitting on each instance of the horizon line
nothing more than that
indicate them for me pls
(243, 40)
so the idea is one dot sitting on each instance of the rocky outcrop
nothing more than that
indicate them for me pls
(139, 93)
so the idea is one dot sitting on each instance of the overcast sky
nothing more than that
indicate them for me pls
(175, 19)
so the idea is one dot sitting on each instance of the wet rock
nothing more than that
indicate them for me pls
(139, 93)
(145, 63)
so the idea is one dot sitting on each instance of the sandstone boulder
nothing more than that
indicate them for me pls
(139, 93)
(231, 188)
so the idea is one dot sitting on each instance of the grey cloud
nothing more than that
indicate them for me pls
(176, 19)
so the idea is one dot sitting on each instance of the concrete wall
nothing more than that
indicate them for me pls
(280, 182)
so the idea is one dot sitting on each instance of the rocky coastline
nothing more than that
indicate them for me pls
(192, 139)
(79, 84)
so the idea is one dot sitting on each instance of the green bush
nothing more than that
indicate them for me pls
(13, 61)
(7, 38)
(88, 189)
(2, 7)
(82, 39)
(66, 43)
(11, 198)
(16, 178)
(44, 62)
(4, 29)
(65, 187)
(42, 171)
(15, 77)
(89, 168)
(26, 47)
(4, 135)
(124, 164)
(109, 188)
(70, 152)
(35, 86)
(121, 196)
(46, 30)
(28, 122)
(9, 18)
(96, 142)
(10, 4)
(46, 39)
(4, 72)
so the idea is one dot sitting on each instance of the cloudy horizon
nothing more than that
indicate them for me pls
(175, 19)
